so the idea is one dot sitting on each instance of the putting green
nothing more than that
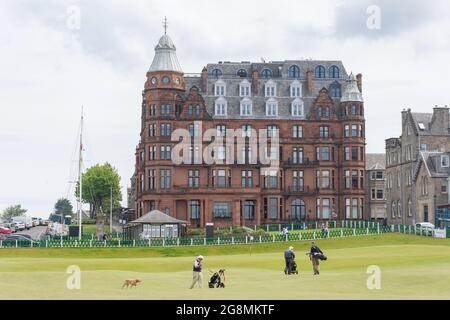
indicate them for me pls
(412, 267)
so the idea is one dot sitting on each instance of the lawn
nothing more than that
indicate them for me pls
(412, 267)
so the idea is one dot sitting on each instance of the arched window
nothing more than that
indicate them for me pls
(333, 72)
(399, 211)
(393, 207)
(319, 72)
(409, 207)
(298, 209)
(217, 73)
(266, 73)
(242, 73)
(335, 90)
(294, 72)
(197, 110)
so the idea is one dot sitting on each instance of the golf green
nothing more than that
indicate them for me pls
(412, 267)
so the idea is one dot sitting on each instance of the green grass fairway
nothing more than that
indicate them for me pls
(412, 267)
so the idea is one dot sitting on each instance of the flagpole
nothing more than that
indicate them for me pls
(80, 178)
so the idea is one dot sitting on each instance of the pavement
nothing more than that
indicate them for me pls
(36, 233)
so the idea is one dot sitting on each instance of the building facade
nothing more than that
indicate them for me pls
(431, 177)
(314, 109)
(376, 186)
(421, 132)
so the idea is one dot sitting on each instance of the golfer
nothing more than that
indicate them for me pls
(313, 255)
(289, 257)
(197, 275)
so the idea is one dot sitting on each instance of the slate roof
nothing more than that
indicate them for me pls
(375, 161)
(157, 217)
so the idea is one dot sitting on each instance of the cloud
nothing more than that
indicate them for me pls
(396, 17)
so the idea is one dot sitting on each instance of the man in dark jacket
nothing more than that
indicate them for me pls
(313, 254)
(289, 257)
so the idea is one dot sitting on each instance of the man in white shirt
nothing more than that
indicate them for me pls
(197, 272)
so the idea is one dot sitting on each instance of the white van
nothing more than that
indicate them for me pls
(425, 226)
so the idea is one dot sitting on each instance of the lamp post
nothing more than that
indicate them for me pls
(110, 212)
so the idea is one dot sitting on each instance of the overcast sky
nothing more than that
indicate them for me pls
(51, 63)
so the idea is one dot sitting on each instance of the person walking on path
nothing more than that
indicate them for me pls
(197, 276)
(313, 255)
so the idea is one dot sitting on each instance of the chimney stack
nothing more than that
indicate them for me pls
(359, 81)
(440, 121)
(255, 81)
(204, 79)
(309, 82)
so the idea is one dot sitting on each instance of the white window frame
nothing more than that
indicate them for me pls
(270, 89)
(296, 89)
(220, 105)
(246, 105)
(220, 88)
(298, 105)
(272, 108)
(245, 89)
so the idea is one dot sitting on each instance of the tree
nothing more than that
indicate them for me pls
(13, 211)
(97, 183)
(63, 207)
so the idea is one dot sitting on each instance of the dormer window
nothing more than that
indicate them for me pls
(246, 107)
(296, 89)
(445, 161)
(242, 73)
(220, 107)
(333, 72)
(319, 72)
(297, 108)
(245, 89)
(294, 72)
(220, 88)
(271, 108)
(271, 89)
(216, 73)
(335, 90)
(266, 73)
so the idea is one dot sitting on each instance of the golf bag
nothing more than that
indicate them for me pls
(292, 269)
(319, 256)
(216, 279)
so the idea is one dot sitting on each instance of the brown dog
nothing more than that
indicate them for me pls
(131, 283)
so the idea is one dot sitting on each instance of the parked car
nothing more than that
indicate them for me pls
(20, 226)
(4, 230)
(27, 221)
(11, 226)
(18, 237)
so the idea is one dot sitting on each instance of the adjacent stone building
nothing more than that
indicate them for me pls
(376, 186)
(431, 178)
(316, 110)
(421, 132)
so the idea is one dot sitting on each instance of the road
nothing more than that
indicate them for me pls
(36, 233)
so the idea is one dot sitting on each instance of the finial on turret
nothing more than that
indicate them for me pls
(165, 25)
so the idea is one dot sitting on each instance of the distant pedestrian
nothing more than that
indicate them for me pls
(314, 256)
(197, 276)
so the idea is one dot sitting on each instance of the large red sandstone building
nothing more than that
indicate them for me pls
(315, 109)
